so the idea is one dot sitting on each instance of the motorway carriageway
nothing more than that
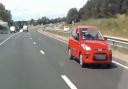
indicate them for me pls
(35, 61)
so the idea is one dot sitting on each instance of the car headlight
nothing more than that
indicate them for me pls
(85, 47)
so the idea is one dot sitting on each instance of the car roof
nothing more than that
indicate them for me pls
(79, 27)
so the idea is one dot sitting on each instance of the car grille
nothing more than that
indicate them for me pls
(100, 57)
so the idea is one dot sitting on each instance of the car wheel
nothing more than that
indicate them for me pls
(81, 61)
(108, 65)
(70, 55)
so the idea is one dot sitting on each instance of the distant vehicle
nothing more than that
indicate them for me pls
(12, 29)
(21, 30)
(25, 28)
(17, 28)
(87, 44)
(66, 28)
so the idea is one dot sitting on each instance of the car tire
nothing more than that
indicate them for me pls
(81, 61)
(108, 65)
(70, 55)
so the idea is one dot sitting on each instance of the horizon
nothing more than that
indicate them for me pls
(21, 10)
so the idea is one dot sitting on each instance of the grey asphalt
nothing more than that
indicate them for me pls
(4, 37)
(22, 66)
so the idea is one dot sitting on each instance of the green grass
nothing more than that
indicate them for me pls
(112, 26)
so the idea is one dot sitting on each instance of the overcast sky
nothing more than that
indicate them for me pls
(27, 9)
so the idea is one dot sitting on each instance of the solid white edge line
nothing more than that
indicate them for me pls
(70, 84)
(8, 39)
(58, 39)
(55, 38)
(126, 67)
(42, 52)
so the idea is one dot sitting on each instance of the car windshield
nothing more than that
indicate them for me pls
(91, 34)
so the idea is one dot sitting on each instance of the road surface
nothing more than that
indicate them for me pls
(3, 37)
(35, 61)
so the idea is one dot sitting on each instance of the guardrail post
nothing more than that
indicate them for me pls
(113, 43)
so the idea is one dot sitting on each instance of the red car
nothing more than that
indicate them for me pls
(87, 44)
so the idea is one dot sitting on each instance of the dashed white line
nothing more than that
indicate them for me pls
(70, 84)
(126, 67)
(42, 52)
(8, 39)
(34, 43)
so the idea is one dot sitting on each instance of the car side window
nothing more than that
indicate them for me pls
(74, 34)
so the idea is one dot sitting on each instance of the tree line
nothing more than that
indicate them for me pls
(5, 15)
(92, 9)
(98, 9)
(45, 20)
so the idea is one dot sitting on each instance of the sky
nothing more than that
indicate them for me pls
(27, 9)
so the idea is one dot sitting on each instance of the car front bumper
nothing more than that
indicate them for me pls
(97, 57)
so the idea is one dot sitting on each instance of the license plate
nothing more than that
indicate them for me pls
(100, 57)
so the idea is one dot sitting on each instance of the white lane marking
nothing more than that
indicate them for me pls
(8, 39)
(70, 84)
(42, 52)
(126, 67)
(34, 43)
(31, 38)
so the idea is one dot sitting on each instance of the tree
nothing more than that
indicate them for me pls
(31, 22)
(72, 15)
(8, 17)
(85, 12)
(103, 8)
(5, 15)
(124, 7)
(45, 20)
(63, 19)
(39, 21)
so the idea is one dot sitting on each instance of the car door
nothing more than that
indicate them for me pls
(75, 43)
(72, 43)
